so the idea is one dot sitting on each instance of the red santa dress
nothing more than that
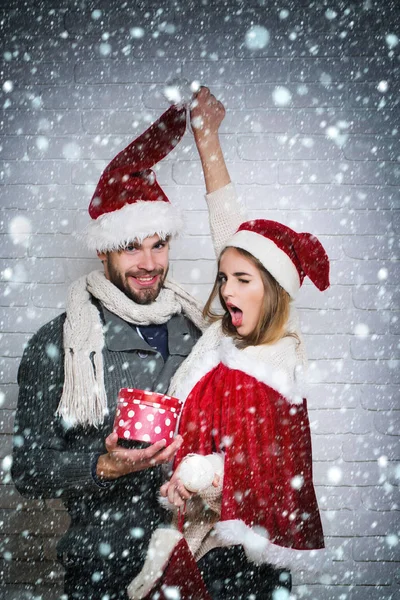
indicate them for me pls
(246, 406)
(236, 408)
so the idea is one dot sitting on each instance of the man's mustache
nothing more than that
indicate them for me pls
(144, 273)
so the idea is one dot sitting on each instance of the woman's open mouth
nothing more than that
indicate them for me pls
(236, 315)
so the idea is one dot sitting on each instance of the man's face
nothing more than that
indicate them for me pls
(139, 270)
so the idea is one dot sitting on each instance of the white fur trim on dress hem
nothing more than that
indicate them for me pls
(260, 550)
(136, 221)
(162, 544)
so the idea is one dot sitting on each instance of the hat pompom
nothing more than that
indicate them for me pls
(196, 472)
(179, 91)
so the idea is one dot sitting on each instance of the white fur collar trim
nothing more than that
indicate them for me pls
(275, 365)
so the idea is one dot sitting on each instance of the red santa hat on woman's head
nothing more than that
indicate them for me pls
(289, 256)
(128, 203)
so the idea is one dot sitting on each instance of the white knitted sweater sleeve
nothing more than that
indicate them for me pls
(226, 212)
(203, 511)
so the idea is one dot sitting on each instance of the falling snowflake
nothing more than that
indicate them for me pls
(257, 37)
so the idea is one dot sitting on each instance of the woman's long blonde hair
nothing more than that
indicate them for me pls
(271, 325)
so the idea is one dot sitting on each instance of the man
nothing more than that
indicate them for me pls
(128, 326)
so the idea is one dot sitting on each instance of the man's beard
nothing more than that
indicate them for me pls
(145, 296)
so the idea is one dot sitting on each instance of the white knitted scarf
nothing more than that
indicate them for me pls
(84, 398)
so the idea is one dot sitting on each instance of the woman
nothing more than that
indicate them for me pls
(244, 407)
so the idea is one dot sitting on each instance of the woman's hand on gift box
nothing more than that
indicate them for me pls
(119, 461)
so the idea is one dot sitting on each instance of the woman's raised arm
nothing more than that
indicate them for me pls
(225, 211)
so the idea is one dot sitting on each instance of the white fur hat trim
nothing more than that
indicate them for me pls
(135, 221)
(275, 260)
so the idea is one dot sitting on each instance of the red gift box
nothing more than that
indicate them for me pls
(145, 416)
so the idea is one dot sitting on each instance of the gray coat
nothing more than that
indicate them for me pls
(112, 522)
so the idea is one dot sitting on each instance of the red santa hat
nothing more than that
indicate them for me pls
(289, 256)
(128, 203)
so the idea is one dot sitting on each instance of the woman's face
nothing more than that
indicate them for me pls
(242, 289)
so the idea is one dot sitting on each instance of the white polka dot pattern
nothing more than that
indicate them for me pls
(146, 416)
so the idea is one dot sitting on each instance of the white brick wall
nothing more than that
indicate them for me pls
(78, 97)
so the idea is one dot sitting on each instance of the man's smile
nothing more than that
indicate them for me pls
(145, 281)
